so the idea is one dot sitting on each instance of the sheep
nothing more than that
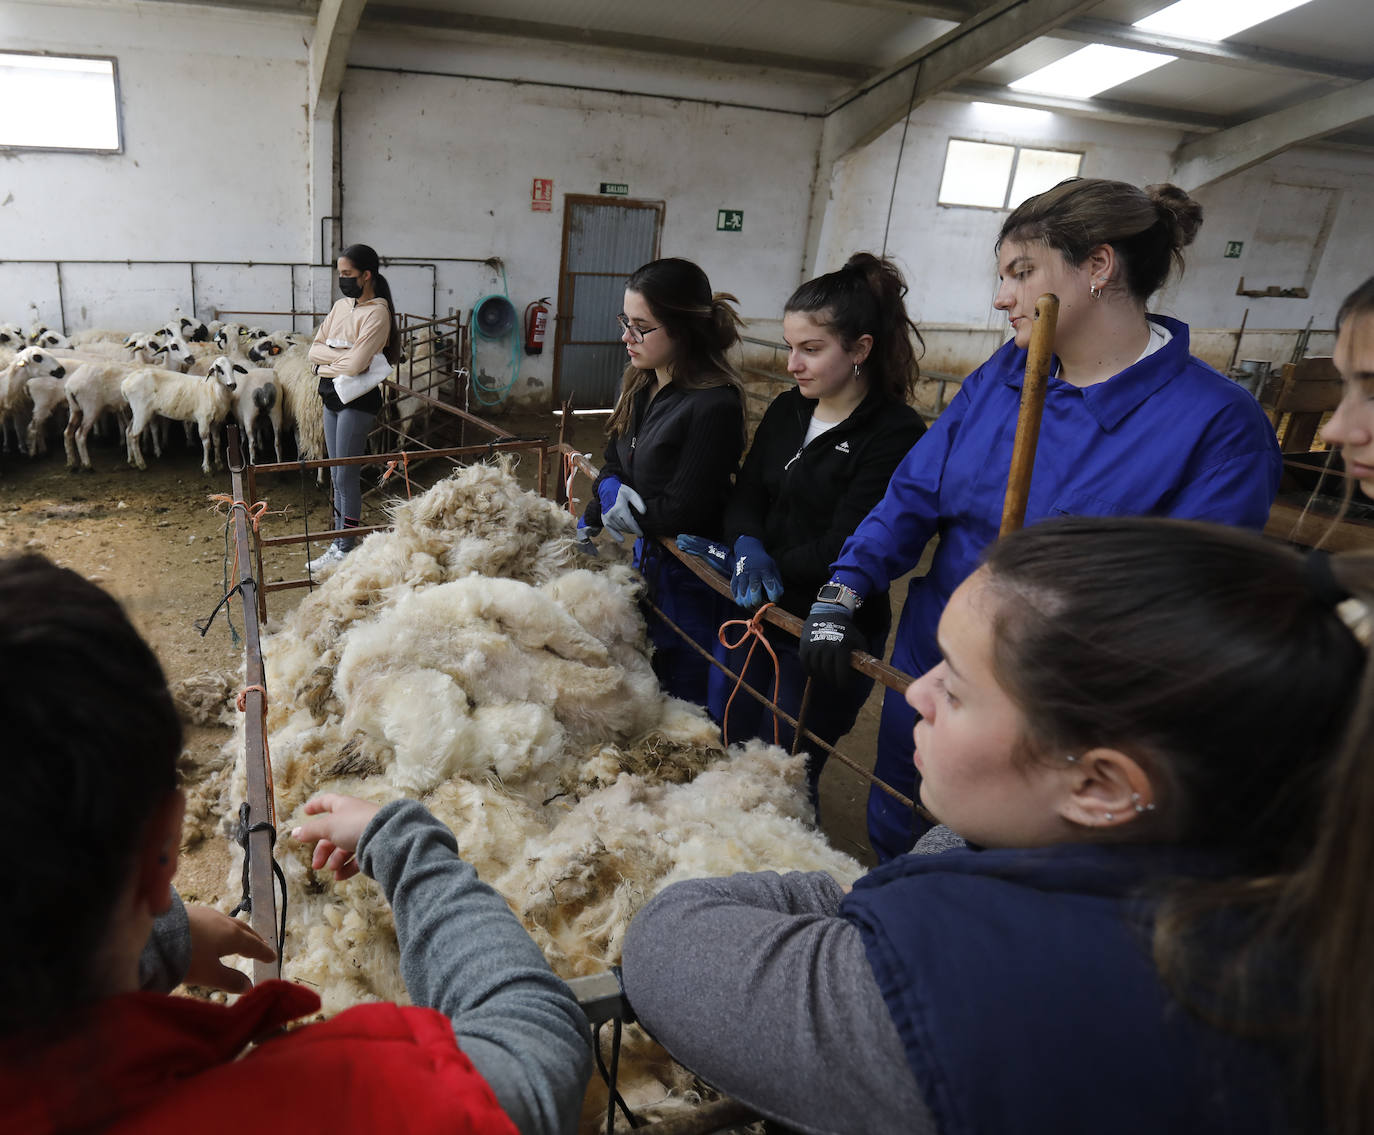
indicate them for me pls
(15, 402)
(300, 393)
(98, 335)
(12, 336)
(181, 397)
(468, 659)
(188, 328)
(255, 391)
(92, 390)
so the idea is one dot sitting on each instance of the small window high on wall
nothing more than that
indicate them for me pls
(984, 175)
(59, 102)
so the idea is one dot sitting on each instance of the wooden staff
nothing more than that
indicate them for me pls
(1028, 420)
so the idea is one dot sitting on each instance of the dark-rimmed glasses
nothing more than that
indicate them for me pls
(636, 333)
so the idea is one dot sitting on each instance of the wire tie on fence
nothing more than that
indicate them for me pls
(753, 628)
(616, 1099)
(245, 906)
(203, 625)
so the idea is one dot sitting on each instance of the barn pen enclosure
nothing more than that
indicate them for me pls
(388, 595)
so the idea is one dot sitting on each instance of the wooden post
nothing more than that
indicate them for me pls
(1028, 420)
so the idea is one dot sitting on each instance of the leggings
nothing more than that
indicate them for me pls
(345, 435)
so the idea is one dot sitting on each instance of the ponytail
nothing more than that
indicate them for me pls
(867, 297)
(364, 257)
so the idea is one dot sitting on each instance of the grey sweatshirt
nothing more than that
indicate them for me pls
(756, 984)
(465, 954)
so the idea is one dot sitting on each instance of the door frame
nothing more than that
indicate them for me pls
(562, 322)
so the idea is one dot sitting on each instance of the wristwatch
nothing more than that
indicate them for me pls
(834, 592)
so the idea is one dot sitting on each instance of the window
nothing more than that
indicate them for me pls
(54, 102)
(988, 176)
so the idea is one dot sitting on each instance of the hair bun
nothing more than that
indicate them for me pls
(1179, 210)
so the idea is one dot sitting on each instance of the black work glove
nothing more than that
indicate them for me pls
(828, 638)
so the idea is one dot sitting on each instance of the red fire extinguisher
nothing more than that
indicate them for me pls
(536, 323)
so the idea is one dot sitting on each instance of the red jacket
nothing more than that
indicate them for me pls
(148, 1062)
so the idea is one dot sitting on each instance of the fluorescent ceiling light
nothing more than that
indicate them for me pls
(1090, 70)
(1214, 20)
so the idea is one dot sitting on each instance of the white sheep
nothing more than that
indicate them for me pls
(94, 335)
(468, 658)
(15, 403)
(180, 397)
(12, 336)
(255, 392)
(93, 390)
(300, 393)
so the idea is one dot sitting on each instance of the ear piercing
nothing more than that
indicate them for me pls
(1139, 806)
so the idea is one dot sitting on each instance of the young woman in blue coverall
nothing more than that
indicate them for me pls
(1133, 424)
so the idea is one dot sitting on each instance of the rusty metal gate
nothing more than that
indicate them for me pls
(604, 240)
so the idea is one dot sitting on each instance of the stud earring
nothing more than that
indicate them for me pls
(1110, 817)
(1139, 807)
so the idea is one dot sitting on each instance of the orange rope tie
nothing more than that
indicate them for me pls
(753, 628)
(254, 514)
(405, 470)
(242, 702)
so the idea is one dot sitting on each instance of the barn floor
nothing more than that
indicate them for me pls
(156, 541)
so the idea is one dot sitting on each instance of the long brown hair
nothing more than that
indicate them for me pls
(868, 297)
(1220, 661)
(364, 258)
(702, 325)
(1149, 228)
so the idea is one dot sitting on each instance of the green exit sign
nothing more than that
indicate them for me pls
(729, 220)
(1233, 249)
(615, 188)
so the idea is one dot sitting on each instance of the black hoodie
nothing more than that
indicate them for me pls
(803, 503)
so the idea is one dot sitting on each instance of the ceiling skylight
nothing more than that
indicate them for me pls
(1215, 19)
(1096, 68)
(1090, 70)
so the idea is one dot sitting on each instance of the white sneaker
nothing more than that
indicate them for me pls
(331, 556)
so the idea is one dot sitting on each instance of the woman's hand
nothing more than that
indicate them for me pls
(214, 936)
(339, 825)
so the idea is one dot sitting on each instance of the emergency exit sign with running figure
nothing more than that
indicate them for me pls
(729, 220)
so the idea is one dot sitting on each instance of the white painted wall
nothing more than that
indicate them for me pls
(213, 168)
(947, 252)
(436, 165)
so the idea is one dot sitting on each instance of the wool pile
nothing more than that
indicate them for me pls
(471, 657)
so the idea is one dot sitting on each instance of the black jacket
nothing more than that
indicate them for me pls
(803, 504)
(680, 454)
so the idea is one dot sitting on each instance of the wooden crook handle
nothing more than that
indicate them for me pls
(1032, 406)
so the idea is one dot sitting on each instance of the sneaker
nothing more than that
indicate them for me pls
(331, 556)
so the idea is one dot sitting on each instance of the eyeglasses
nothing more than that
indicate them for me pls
(636, 333)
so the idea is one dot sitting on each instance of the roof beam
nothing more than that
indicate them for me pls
(1099, 109)
(950, 10)
(865, 112)
(1220, 155)
(1087, 30)
(335, 24)
(868, 110)
(623, 41)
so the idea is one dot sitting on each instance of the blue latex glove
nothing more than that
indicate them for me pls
(607, 489)
(717, 555)
(755, 574)
(622, 518)
(828, 638)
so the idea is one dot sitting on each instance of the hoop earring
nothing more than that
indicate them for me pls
(1095, 290)
(856, 370)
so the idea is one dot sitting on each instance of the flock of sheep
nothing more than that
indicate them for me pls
(185, 371)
